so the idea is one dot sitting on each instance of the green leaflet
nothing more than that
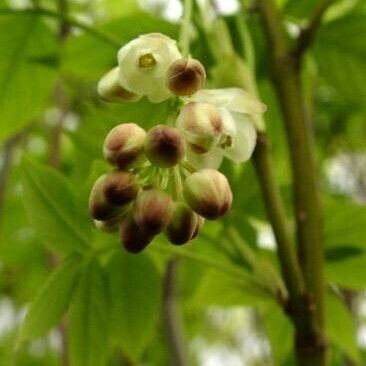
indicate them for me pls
(88, 334)
(52, 300)
(52, 209)
(135, 300)
(29, 54)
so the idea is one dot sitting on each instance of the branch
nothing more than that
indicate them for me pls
(7, 158)
(172, 316)
(308, 211)
(308, 33)
(277, 217)
(105, 37)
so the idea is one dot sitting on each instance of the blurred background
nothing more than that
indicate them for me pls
(52, 54)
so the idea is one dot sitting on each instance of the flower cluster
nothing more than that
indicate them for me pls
(166, 179)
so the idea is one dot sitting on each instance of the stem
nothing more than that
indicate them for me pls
(107, 38)
(184, 38)
(7, 159)
(277, 216)
(172, 316)
(276, 213)
(308, 33)
(311, 349)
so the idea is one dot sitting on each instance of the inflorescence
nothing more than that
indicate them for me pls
(166, 179)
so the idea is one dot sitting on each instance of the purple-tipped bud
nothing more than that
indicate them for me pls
(183, 224)
(124, 145)
(152, 211)
(202, 126)
(208, 193)
(120, 188)
(185, 76)
(99, 208)
(133, 238)
(164, 146)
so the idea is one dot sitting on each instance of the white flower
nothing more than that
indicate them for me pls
(238, 138)
(143, 65)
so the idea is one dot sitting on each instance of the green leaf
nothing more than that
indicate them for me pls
(341, 53)
(341, 328)
(345, 224)
(135, 297)
(89, 319)
(52, 300)
(348, 273)
(52, 209)
(218, 289)
(25, 81)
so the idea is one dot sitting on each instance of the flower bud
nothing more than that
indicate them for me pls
(183, 224)
(133, 238)
(110, 226)
(152, 211)
(111, 90)
(119, 188)
(99, 208)
(199, 225)
(185, 76)
(201, 124)
(164, 146)
(124, 145)
(208, 193)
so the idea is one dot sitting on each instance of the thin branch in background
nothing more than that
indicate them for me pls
(98, 34)
(6, 162)
(172, 316)
(54, 158)
(308, 32)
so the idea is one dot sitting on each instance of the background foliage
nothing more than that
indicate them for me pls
(68, 289)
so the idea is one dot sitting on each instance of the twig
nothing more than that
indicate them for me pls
(172, 316)
(277, 217)
(107, 38)
(308, 32)
(7, 157)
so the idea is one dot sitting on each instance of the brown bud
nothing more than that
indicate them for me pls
(110, 226)
(120, 188)
(185, 76)
(133, 238)
(208, 193)
(124, 145)
(111, 90)
(152, 211)
(201, 125)
(164, 146)
(183, 224)
(99, 208)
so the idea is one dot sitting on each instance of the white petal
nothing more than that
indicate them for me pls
(235, 99)
(244, 141)
(212, 159)
(229, 125)
(147, 81)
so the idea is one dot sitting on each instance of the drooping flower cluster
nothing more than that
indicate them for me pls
(166, 179)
